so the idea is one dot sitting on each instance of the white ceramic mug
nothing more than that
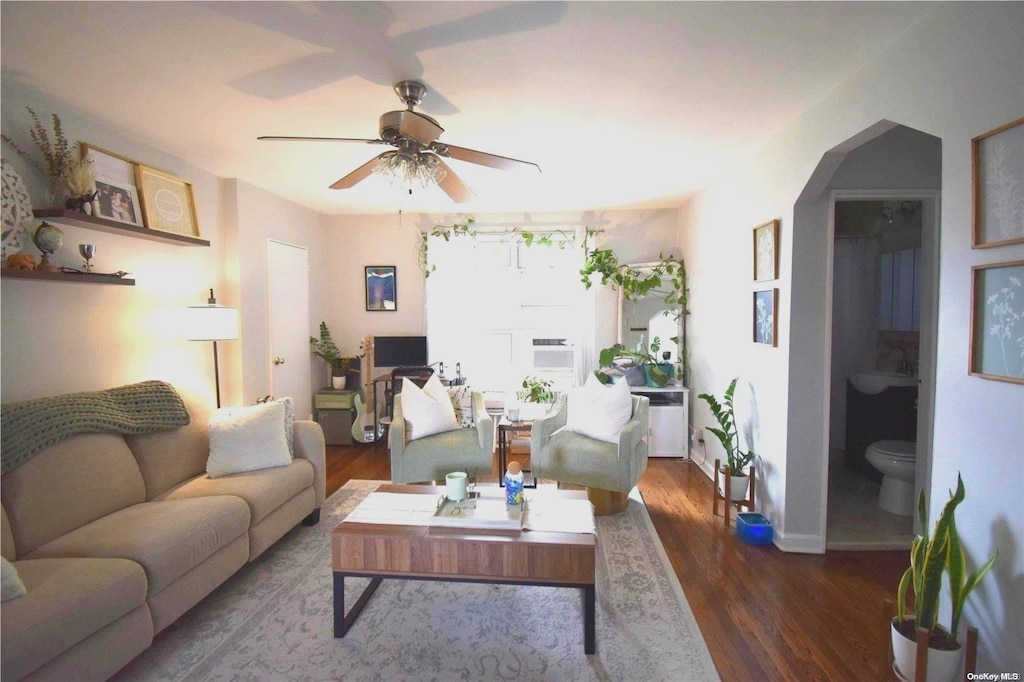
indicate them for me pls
(456, 486)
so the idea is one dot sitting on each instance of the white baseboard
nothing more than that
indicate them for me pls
(799, 544)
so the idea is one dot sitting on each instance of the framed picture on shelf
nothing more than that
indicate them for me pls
(766, 324)
(997, 321)
(766, 258)
(381, 287)
(117, 194)
(997, 174)
(168, 204)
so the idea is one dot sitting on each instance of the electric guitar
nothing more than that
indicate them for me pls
(361, 431)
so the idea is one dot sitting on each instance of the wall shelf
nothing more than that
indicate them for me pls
(83, 278)
(67, 217)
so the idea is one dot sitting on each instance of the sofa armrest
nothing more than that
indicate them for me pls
(396, 443)
(484, 422)
(632, 444)
(308, 441)
(543, 429)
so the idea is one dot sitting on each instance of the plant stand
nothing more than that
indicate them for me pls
(921, 664)
(726, 496)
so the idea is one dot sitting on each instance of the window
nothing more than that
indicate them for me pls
(504, 310)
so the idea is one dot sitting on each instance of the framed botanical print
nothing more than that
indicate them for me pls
(766, 253)
(997, 172)
(381, 287)
(997, 321)
(766, 323)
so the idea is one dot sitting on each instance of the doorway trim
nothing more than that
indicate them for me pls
(928, 329)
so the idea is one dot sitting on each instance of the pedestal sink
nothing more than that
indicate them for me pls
(872, 381)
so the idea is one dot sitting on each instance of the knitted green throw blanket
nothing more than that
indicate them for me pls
(31, 426)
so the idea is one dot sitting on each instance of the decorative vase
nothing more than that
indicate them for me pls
(943, 664)
(635, 376)
(338, 383)
(659, 378)
(47, 239)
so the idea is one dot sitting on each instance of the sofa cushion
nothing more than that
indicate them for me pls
(247, 439)
(427, 410)
(67, 601)
(166, 458)
(69, 485)
(582, 460)
(168, 538)
(264, 490)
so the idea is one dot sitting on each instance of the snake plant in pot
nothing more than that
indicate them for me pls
(929, 557)
(736, 459)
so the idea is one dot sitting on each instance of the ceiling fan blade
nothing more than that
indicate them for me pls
(482, 158)
(289, 138)
(453, 186)
(360, 173)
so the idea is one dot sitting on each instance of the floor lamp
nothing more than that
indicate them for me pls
(212, 322)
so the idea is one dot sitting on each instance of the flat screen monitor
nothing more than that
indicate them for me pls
(400, 351)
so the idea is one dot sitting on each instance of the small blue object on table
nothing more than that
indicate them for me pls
(754, 528)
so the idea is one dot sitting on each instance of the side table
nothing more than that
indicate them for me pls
(506, 430)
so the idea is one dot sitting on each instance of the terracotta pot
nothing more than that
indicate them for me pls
(943, 665)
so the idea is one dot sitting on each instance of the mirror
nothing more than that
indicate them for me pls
(650, 318)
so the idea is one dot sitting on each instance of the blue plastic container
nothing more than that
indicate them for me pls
(754, 529)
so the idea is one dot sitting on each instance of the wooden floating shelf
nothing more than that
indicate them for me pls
(90, 222)
(84, 278)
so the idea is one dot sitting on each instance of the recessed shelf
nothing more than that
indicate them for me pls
(83, 278)
(90, 222)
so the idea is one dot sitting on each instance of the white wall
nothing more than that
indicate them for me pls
(356, 241)
(955, 75)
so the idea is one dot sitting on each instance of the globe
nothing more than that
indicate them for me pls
(48, 238)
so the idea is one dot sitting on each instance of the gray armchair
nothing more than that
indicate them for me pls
(574, 458)
(432, 457)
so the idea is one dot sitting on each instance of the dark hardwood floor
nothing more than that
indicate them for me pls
(765, 614)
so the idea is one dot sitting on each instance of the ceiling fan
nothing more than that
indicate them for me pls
(417, 154)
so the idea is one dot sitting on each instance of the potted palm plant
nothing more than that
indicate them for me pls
(325, 349)
(736, 459)
(929, 557)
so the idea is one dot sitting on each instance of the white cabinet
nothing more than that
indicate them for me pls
(669, 419)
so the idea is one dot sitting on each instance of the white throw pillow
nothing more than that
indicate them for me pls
(599, 411)
(427, 410)
(247, 439)
(11, 587)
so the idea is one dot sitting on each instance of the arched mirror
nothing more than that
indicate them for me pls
(652, 321)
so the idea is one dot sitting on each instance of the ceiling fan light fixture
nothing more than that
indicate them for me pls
(405, 170)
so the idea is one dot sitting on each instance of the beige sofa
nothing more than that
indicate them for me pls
(116, 536)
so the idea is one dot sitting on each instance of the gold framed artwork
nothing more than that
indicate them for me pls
(766, 251)
(116, 193)
(168, 203)
(997, 175)
(766, 324)
(997, 321)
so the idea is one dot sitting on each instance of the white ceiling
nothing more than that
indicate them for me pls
(623, 104)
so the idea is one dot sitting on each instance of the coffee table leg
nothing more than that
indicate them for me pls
(589, 608)
(343, 621)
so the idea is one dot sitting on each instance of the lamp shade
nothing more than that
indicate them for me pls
(211, 323)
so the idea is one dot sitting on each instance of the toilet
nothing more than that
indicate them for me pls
(896, 460)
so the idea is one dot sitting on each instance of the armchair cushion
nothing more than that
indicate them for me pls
(427, 410)
(599, 411)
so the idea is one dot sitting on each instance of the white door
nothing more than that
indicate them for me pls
(288, 324)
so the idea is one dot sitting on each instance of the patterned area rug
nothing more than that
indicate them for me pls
(273, 620)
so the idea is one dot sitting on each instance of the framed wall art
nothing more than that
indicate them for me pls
(766, 323)
(997, 321)
(381, 287)
(766, 252)
(168, 204)
(997, 173)
(116, 192)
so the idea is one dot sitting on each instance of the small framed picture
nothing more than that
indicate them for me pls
(997, 321)
(118, 202)
(766, 255)
(168, 204)
(381, 287)
(997, 173)
(765, 323)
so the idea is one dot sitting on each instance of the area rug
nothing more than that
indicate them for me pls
(273, 620)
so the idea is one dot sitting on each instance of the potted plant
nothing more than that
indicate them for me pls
(534, 390)
(638, 366)
(929, 557)
(325, 349)
(736, 459)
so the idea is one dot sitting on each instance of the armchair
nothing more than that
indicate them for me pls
(608, 470)
(432, 457)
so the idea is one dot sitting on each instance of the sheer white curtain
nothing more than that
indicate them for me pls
(491, 299)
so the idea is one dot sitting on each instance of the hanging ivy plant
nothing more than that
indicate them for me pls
(445, 232)
(667, 277)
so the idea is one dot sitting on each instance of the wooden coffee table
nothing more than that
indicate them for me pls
(379, 551)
